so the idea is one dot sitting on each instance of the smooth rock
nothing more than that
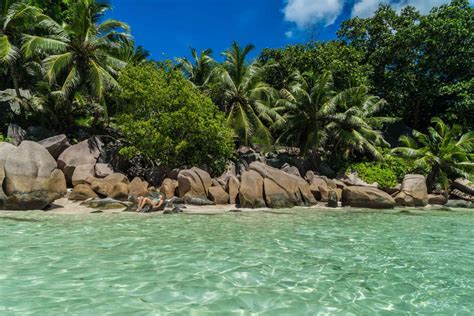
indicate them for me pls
(297, 188)
(29, 179)
(275, 196)
(103, 170)
(413, 191)
(101, 187)
(82, 173)
(251, 190)
(55, 145)
(82, 192)
(218, 195)
(194, 183)
(119, 191)
(366, 197)
(232, 187)
(332, 199)
(137, 188)
(83, 153)
(434, 199)
(116, 178)
(168, 188)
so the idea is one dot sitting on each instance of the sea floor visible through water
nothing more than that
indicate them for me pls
(287, 262)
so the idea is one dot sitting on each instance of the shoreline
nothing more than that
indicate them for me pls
(64, 206)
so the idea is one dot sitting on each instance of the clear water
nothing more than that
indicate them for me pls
(299, 263)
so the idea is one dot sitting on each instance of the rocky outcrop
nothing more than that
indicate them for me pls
(116, 178)
(251, 190)
(434, 199)
(232, 188)
(103, 170)
(218, 195)
(102, 187)
(55, 145)
(82, 192)
(119, 191)
(263, 185)
(366, 197)
(168, 188)
(137, 188)
(83, 153)
(194, 183)
(413, 191)
(333, 199)
(29, 178)
(82, 173)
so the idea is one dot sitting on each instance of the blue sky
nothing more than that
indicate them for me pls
(167, 28)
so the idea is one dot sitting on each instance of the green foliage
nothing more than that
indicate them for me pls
(444, 151)
(342, 60)
(316, 116)
(167, 120)
(247, 99)
(423, 65)
(387, 172)
(3, 138)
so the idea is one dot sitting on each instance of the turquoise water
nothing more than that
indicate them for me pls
(299, 263)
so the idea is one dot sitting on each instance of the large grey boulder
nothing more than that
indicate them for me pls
(194, 183)
(413, 191)
(366, 197)
(29, 177)
(55, 145)
(83, 153)
(298, 192)
(103, 170)
(218, 195)
(251, 190)
(168, 188)
(232, 187)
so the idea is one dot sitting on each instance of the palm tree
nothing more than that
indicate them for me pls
(86, 53)
(318, 117)
(247, 99)
(16, 18)
(307, 103)
(199, 69)
(134, 55)
(444, 151)
(354, 129)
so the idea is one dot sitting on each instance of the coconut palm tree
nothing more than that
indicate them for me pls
(307, 103)
(317, 117)
(17, 17)
(444, 151)
(353, 128)
(83, 53)
(133, 55)
(247, 99)
(199, 69)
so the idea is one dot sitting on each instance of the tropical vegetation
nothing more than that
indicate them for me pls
(343, 103)
(444, 151)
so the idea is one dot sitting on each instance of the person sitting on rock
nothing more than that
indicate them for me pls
(153, 201)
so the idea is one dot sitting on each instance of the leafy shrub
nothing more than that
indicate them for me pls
(387, 172)
(169, 121)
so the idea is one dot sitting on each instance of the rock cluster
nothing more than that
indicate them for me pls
(29, 178)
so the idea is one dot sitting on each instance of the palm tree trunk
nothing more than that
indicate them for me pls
(14, 75)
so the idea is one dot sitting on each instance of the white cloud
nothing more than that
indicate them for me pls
(366, 8)
(309, 12)
(289, 34)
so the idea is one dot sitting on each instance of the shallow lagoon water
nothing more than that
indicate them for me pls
(298, 262)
